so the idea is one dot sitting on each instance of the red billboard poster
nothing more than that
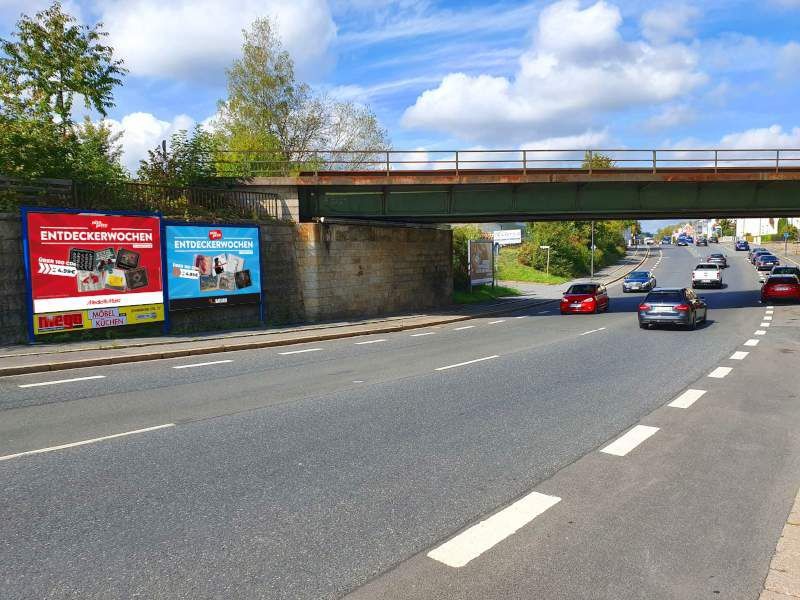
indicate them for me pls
(89, 261)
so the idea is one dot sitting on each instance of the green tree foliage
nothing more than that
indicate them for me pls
(48, 62)
(785, 227)
(188, 159)
(728, 226)
(53, 59)
(461, 236)
(268, 108)
(596, 160)
(570, 242)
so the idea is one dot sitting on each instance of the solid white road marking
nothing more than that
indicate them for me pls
(469, 362)
(543, 312)
(358, 381)
(686, 399)
(720, 372)
(521, 317)
(465, 327)
(203, 364)
(496, 322)
(479, 538)
(752, 342)
(760, 332)
(739, 355)
(421, 334)
(767, 318)
(771, 308)
(370, 342)
(300, 351)
(592, 331)
(27, 385)
(765, 324)
(628, 441)
(84, 442)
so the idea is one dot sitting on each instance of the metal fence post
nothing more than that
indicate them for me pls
(524, 162)
(456, 162)
(387, 163)
(591, 160)
(654, 161)
(777, 160)
(715, 160)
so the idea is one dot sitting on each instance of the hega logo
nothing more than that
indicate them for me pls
(98, 224)
(59, 322)
(215, 234)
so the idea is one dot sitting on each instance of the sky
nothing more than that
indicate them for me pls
(476, 74)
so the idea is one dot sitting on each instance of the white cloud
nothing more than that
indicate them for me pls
(666, 23)
(671, 116)
(764, 137)
(578, 70)
(196, 40)
(789, 61)
(142, 132)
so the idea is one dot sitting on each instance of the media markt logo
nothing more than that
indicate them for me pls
(215, 234)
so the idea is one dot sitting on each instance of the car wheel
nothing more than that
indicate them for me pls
(644, 326)
(693, 323)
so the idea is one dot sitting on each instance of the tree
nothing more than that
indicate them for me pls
(46, 63)
(727, 226)
(188, 159)
(264, 98)
(596, 160)
(52, 59)
(461, 237)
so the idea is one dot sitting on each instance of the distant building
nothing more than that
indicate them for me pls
(763, 226)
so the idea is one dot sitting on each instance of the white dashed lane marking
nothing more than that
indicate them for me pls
(628, 441)
(720, 372)
(370, 342)
(299, 351)
(765, 324)
(593, 331)
(686, 399)
(752, 342)
(469, 362)
(202, 364)
(739, 355)
(760, 332)
(479, 538)
(84, 442)
(27, 385)
(421, 334)
(463, 328)
(767, 318)
(496, 322)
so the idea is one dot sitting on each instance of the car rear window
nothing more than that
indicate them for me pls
(707, 266)
(786, 271)
(782, 279)
(582, 288)
(665, 296)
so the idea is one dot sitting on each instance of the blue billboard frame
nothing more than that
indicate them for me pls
(26, 259)
(166, 223)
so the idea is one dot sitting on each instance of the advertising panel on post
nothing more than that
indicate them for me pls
(92, 270)
(480, 255)
(212, 265)
(507, 237)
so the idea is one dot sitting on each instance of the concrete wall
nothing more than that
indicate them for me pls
(310, 272)
(288, 203)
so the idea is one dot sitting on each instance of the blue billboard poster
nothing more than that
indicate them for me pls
(212, 265)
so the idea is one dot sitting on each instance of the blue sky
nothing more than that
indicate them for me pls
(473, 74)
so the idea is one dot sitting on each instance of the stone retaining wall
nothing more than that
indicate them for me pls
(310, 272)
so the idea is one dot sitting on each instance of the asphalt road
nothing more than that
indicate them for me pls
(277, 473)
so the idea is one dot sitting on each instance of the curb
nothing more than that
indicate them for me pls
(320, 337)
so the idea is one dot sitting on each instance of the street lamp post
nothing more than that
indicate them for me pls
(547, 269)
(591, 273)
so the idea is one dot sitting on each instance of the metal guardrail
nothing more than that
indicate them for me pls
(585, 160)
(190, 201)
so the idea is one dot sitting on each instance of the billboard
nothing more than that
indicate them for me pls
(212, 265)
(481, 261)
(506, 237)
(80, 262)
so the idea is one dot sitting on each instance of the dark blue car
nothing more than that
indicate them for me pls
(638, 281)
(742, 245)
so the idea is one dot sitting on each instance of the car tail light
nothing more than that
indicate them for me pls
(644, 307)
(682, 307)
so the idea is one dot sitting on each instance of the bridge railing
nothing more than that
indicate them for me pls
(255, 164)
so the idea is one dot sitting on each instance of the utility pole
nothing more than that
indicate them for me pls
(547, 269)
(592, 271)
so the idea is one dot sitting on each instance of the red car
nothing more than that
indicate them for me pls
(781, 287)
(584, 298)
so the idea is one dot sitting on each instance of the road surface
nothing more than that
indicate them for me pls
(365, 466)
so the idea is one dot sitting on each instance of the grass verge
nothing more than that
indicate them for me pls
(482, 293)
(510, 269)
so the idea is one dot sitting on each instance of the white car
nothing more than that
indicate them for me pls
(707, 274)
(649, 241)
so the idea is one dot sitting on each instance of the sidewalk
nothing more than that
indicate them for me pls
(18, 360)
